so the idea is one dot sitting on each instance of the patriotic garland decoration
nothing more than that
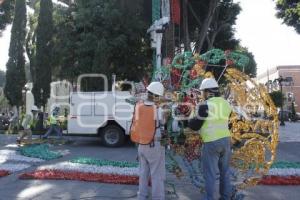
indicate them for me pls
(11, 155)
(283, 173)
(11, 161)
(88, 169)
(122, 172)
(4, 173)
(91, 161)
(106, 169)
(81, 176)
(39, 151)
(12, 167)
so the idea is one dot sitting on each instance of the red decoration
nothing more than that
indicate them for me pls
(175, 78)
(193, 74)
(280, 180)
(202, 63)
(4, 173)
(192, 150)
(175, 6)
(81, 176)
(227, 52)
(229, 62)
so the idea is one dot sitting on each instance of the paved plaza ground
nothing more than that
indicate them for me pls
(13, 188)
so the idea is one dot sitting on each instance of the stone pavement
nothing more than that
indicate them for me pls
(13, 188)
(290, 132)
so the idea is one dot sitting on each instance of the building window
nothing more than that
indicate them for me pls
(288, 81)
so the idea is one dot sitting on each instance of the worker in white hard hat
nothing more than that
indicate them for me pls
(212, 123)
(27, 123)
(152, 156)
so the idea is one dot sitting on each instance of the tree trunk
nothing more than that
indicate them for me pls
(212, 40)
(206, 23)
(215, 34)
(30, 53)
(186, 37)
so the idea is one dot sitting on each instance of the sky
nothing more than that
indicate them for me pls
(271, 42)
(4, 46)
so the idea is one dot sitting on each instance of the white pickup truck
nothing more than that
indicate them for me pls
(103, 114)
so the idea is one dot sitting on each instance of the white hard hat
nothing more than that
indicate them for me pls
(34, 108)
(156, 88)
(209, 83)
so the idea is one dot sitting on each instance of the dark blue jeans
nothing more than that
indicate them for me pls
(53, 128)
(216, 158)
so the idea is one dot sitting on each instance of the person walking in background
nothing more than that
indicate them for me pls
(13, 122)
(27, 122)
(212, 121)
(54, 126)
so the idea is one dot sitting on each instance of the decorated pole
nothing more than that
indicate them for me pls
(157, 28)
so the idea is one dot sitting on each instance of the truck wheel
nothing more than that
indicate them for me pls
(112, 136)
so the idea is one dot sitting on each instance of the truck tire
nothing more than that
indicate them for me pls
(112, 136)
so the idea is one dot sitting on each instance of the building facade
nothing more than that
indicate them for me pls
(290, 87)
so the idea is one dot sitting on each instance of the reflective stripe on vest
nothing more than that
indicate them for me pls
(215, 125)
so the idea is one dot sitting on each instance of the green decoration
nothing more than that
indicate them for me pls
(193, 84)
(92, 161)
(240, 60)
(155, 10)
(213, 56)
(183, 61)
(39, 151)
(283, 164)
(161, 74)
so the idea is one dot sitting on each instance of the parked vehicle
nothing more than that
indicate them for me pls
(103, 114)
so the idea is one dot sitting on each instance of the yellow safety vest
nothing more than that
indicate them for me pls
(215, 125)
(52, 120)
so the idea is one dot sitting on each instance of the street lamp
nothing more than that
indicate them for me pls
(280, 80)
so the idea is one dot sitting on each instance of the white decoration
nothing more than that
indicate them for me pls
(284, 172)
(12, 167)
(11, 155)
(68, 166)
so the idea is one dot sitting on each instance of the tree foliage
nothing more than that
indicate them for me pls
(221, 31)
(289, 11)
(277, 98)
(15, 73)
(210, 24)
(99, 36)
(43, 60)
(251, 68)
(2, 78)
(6, 13)
(31, 45)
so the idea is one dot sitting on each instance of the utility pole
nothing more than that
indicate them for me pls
(156, 31)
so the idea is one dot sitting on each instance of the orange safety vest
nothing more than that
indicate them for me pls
(143, 125)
